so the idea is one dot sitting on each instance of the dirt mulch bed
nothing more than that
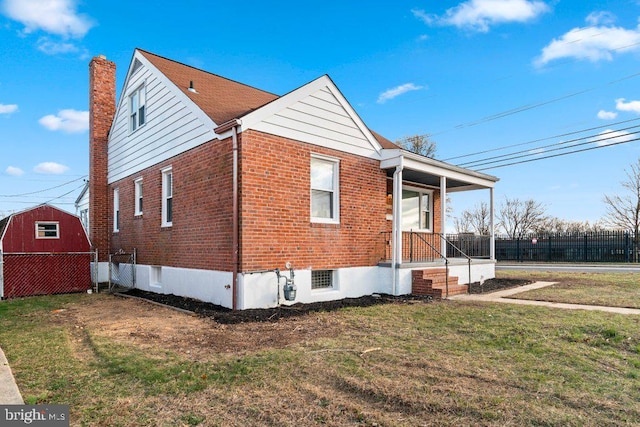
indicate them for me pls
(493, 285)
(226, 316)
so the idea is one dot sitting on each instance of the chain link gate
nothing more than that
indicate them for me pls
(122, 271)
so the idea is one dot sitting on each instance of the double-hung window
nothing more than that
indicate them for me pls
(167, 197)
(325, 197)
(137, 111)
(416, 209)
(116, 209)
(138, 196)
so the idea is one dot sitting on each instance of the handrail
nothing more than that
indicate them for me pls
(447, 241)
(446, 261)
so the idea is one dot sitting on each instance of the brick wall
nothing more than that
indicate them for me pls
(275, 204)
(102, 107)
(201, 234)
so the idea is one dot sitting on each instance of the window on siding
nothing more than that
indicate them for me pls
(325, 197)
(167, 197)
(116, 209)
(47, 230)
(322, 279)
(137, 104)
(84, 218)
(416, 210)
(138, 196)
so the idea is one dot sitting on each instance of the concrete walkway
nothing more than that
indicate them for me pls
(9, 393)
(502, 296)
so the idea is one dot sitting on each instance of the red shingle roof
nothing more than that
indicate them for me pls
(220, 98)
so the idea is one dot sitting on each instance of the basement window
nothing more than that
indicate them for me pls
(47, 230)
(322, 279)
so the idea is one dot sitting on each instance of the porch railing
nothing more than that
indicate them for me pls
(425, 247)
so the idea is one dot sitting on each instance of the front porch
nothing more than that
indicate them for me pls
(418, 189)
(467, 260)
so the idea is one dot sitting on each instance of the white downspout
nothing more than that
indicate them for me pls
(492, 229)
(443, 213)
(396, 228)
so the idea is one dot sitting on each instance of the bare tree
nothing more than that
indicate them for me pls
(517, 217)
(623, 211)
(476, 220)
(420, 144)
(557, 225)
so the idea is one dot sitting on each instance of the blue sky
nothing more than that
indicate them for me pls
(477, 75)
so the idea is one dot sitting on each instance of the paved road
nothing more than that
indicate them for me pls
(573, 268)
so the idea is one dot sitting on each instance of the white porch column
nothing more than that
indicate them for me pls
(492, 229)
(396, 229)
(443, 213)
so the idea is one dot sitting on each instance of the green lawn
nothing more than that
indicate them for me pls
(443, 363)
(607, 289)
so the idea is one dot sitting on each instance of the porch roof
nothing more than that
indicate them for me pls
(424, 170)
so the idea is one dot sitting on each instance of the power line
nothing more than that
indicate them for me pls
(561, 154)
(539, 140)
(46, 189)
(567, 144)
(65, 194)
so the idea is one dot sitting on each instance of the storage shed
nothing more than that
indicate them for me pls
(43, 250)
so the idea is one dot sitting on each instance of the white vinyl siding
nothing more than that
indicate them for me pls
(325, 184)
(319, 119)
(167, 197)
(173, 125)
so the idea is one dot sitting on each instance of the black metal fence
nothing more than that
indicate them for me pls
(603, 246)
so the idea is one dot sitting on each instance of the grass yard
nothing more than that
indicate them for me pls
(124, 362)
(606, 289)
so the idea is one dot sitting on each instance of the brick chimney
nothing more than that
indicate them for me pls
(102, 108)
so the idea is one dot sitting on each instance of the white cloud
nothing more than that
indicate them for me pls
(58, 17)
(397, 91)
(609, 137)
(595, 43)
(51, 168)
(8, 108)
(53, 48)
(479, 15)
(14, 171)
(607, 115)
(67, 120)
(633, 106)
(600, 18)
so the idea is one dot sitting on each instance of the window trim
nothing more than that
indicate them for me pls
(116, 210)
(57, 230)
(166, 172)
(138, 196)
(421, 192)
(135, 115)
(335, 219)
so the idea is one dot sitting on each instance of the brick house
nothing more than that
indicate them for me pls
(216, 184)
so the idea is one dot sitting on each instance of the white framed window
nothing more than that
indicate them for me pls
(137, 108)
(84, 218)
(47, 230)
(417, 208)
(137, 193)
(322, 279)
(167, 197)
(325, 185)
(116, 209)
